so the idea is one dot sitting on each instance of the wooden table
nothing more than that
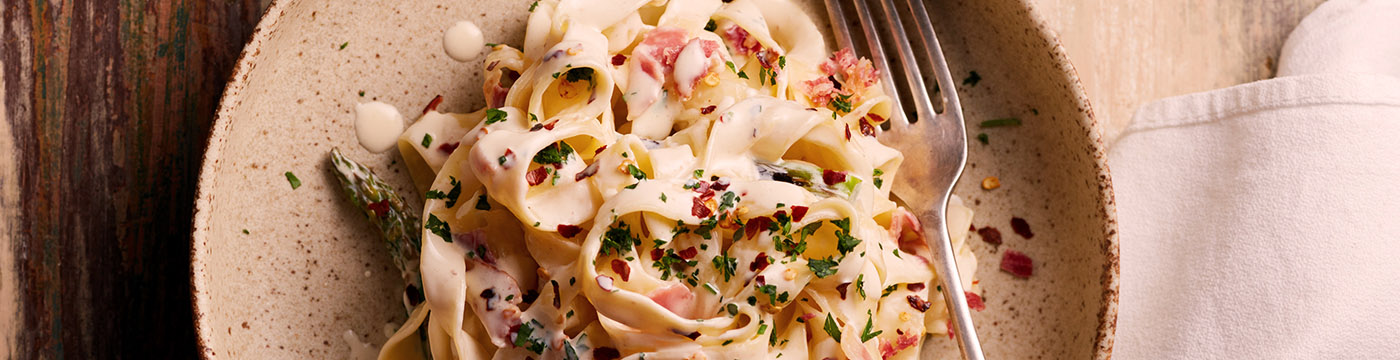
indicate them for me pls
(108, 104)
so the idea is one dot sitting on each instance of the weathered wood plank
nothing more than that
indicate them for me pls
(108, 105)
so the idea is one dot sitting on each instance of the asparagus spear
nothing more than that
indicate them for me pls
(809, 176)
(389, 212)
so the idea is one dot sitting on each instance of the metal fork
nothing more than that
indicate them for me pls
(934, 147)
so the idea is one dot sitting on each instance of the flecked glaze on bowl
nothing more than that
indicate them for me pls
(308, 267)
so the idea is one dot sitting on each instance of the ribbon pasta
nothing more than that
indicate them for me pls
(670, 179)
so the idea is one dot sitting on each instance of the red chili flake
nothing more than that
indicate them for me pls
(693, 335)
(916, 286)
(703, 187)
(720, 184)
(866, 129)
(833, 177)
(1016, 263)
(688, 253)
(600, 150)
(448, 148)
(568, 230)
(707, 110)
(492, 65)
(618, 59)
(586, 172)
(875, 118)
(656, 254)
(433, 105)
(550, 125)
(990, 234)
(842, 289)
(606, 353)
(620, 267)
(380, 207)
(848, 132)
(974, 301)
(699, 209)
(537, 176)
(799, 212)
(1021, 227)
(536, 127)
(918, 303)
(755, 225)
(760, 280)
(759, 263)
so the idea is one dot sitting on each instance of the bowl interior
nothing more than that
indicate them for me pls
(283, 273)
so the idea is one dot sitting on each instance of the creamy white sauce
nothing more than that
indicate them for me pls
(378, 126)
(691, 64)
(359, 350)
(463, 41)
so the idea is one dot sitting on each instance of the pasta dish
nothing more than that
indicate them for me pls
(666, 179)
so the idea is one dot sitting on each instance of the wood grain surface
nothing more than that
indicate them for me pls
(108, 105)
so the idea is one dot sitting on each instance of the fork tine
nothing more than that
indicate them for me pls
(877, 50)
(838, 24)
(951, 105)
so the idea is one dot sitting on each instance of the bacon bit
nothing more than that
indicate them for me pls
(509, 161)
(606, 353)
(740, 39)
(605, 282)
(568, 231)
(448, 148)
(886, 350)
(586, 172)
(866, 129)
(906, 340)
(688, 253)
(974, 301)
(699, 209)
(842, 289)
(856, 71)
(656, 254)
(703, 187)
(537, 176)
(623, 271)
(833, 177)
(433, 105)
(380, 207)
(989, 234)
(821, 91)
(1016, 263)
(756, 225)
(707, 110)
(759, 263)
(918, 303)
(798, 212)
(949, 326)
(1021, 227)
(659, 49)
(916, 286)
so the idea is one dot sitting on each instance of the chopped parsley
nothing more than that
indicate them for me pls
(845, 242)
(782, 62)
(982, 138)
(439, 227)
(451, 195)
(822, 267)
(860, 285)
(832, 329)
(1001, 122)
(889, 290)
(972, 79)
(245, 231)
(770, 290)
(636, 172)
(841, 103)
(533, 5)
(362, 93)
(866, 335)
(481, 204)
(580, 74)
(730, 65)
(878, 181)
(742, 75)
(732, 309)
(663, 197)
(762, 327)
(619, 239)
(427, 140)
(710, 26)
(725, 265)
(554, 154)
(494, 116)
(711, 288)
(699, 173)
(523, 337)
(293, 180)
(343, 45)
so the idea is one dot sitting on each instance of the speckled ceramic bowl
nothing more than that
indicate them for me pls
(283, 273)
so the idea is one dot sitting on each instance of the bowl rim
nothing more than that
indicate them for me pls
(271, 18)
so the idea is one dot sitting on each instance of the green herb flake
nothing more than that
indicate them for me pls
(494, 116)
(888, 290)
(860, 285)
(972, 79)
(832, 329)
(1001, 122)
(439, 227)
(481, 204)
(725, 265)
(762, 327)
(710, 26)
(742, 75)
(822, 267)
(343, 45)
(636, 172)
(533, 5)
(293, 180)
(618, 239)
(427, 140)
(841, 103)
(866, 335)
(782, 62)
(982, 137)
(524, 339)
(663, 197)
(711, 288)
(579, 74)
(699, 173)
(362, 93)
(451, 195)
(554, 154)
(730, 65)
(245, 231)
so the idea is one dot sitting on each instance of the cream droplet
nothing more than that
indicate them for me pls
(463, 41)
(378, 126)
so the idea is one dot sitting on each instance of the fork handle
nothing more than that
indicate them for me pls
(945, 264)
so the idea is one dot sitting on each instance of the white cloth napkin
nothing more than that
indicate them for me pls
(1262, 221)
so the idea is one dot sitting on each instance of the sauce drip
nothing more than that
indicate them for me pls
(378, 126)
